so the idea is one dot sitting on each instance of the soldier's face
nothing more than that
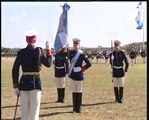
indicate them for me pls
(117, 46)
(76, 46)
(31, 40)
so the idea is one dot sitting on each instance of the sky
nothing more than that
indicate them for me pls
(95, 23)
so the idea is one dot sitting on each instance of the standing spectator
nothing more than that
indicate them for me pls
(132, 56)
(99, 57)
(106, 57)
(143, 55)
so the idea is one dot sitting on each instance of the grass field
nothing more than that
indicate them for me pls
(98, 95)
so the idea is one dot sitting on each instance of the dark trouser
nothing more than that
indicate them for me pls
(118, 94)
(77, 102)
(61, 94)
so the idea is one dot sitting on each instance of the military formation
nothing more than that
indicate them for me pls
(67, 63)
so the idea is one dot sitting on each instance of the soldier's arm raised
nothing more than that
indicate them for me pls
(46, 60)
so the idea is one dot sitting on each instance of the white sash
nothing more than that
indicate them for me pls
(74, 60)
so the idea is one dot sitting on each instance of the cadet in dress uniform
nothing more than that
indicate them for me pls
(117, 57)
(29, 86)
(77, 67)
(61, 70)
(132, 56)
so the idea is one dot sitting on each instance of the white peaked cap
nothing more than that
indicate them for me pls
(30, 33)
(77, 40)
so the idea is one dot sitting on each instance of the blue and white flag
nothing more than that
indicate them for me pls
(62, 32)
(138, 18)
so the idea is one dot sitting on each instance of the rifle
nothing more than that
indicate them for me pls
(112, 57)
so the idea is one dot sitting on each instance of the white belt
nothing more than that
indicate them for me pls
(60, 67)
(77, 69)
(117, 67)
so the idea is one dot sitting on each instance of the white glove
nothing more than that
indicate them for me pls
(125, 73)
(47, 45)
(112, 57)
(17, 92)
(66, 75)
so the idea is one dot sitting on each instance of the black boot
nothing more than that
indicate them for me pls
(58, 94)
(79, 102)
(121, 95)
(62, 95)
(116, 94)
(74, 98)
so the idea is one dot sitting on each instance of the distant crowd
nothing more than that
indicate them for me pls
(103, 56)
(100, 56)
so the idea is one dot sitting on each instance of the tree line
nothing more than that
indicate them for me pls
(137, 46)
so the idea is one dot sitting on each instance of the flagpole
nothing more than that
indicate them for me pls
(143, 28)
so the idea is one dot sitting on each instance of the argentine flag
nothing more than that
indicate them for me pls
(138, 18)
(62, 33)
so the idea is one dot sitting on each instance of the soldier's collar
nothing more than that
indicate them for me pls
(31, 46)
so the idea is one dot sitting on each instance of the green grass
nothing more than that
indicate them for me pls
(98, 95)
